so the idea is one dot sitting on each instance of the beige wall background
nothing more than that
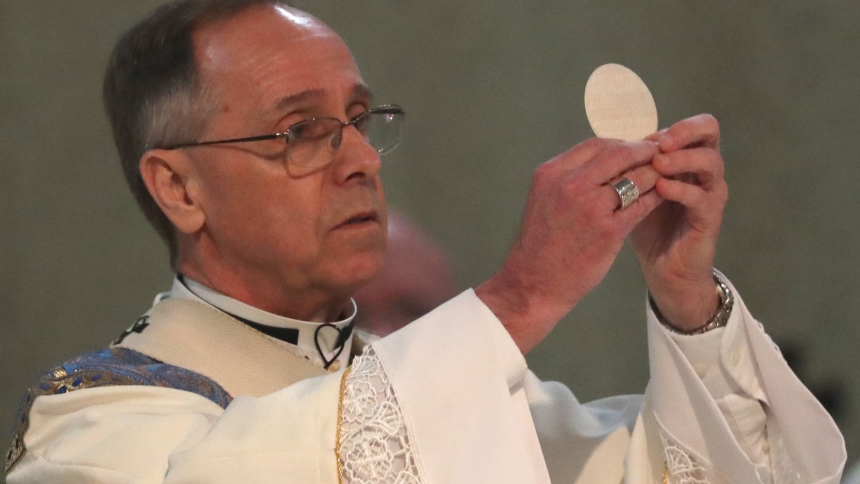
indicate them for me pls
(492, 89)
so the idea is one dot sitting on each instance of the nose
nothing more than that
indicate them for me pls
(354, 157)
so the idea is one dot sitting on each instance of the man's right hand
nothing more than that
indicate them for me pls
(570, 235)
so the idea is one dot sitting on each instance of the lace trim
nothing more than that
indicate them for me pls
(783, 470)
(683, 467)
(373, 445)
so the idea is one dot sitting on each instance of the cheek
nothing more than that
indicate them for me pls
(265, 216)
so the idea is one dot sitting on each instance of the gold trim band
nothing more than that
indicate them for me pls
(338, 436)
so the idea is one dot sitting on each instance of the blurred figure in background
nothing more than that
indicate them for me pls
(852, 474)
(416, 278)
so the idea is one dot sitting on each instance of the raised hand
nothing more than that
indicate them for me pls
(677, 242)
(570, 235)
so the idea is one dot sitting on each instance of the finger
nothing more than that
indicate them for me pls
(686, 194)
(701, 130)
(641, 208)
(705, 163)
(644, 177)
(589, 148)
(619, 158)
(578, 155)
(655, 137)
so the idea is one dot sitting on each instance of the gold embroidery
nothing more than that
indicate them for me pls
(338, 436)
(16, 450)
(62, 383)
(665, 472)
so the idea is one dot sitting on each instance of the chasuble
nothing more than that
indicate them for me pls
(198, 397)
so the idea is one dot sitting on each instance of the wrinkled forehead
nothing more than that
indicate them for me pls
(274, 49)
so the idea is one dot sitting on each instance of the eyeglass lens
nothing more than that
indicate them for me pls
(311, 144)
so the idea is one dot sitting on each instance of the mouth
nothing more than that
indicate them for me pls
(359, 220)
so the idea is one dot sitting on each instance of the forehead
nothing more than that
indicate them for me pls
(271, 52)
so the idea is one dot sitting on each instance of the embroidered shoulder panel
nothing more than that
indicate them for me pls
(113, 366)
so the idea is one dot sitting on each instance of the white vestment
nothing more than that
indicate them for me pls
(447, 399)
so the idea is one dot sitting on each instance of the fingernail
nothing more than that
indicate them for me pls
(663, 161)
(665, 140)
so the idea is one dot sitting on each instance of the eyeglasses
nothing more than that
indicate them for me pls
(312, 142)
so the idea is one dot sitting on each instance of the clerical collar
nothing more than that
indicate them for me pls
(299, 337)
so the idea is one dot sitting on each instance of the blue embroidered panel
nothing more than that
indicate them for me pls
(122, 366)
(111, 367)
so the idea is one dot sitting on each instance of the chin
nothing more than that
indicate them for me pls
(349, 276)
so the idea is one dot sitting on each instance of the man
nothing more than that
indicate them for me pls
(238, 374)
(415, 278)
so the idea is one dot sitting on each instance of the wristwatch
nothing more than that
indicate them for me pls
(718, 320)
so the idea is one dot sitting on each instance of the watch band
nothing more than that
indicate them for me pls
(718, 320)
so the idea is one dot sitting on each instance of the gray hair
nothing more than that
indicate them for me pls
(153, 94)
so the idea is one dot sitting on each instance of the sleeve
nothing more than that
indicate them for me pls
(722, 407)
(737, 413)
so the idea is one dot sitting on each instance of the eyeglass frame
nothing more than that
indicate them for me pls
(397, 110)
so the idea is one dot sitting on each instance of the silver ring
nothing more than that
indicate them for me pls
(627, 191)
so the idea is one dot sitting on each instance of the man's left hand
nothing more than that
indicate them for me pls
(677, 242)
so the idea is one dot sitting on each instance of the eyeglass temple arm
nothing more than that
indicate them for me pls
(390, 108)
(222, 141)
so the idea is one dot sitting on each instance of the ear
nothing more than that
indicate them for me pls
(169, 177)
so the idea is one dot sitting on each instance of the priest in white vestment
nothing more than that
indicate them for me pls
(252, 145)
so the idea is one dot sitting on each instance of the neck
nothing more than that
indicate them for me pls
(263, 290)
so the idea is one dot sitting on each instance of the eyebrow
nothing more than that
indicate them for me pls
(298, 97)
(362, 91)
(358, 91)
